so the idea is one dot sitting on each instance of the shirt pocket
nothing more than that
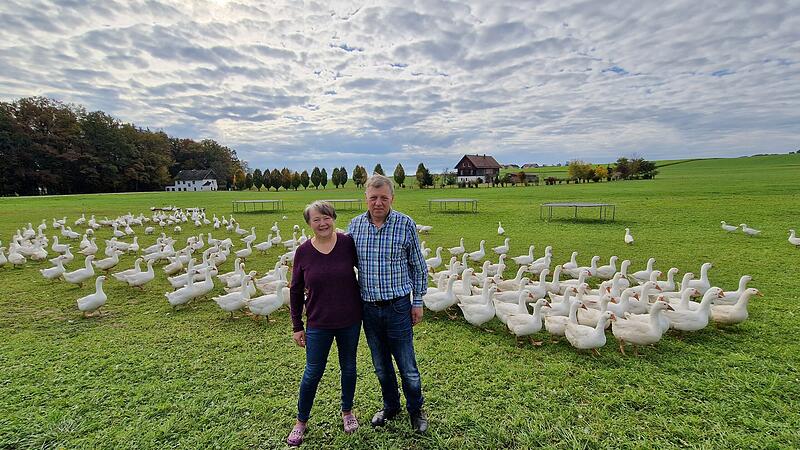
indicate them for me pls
(396, 253)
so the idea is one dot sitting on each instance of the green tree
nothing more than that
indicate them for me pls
(378, 169)
(335, 177)
(622, 168)
(296, 180)
(342, 176)
(239, 179)
(267, 177)
(323, 178)
(304, 179)
(359, 176)
(275, 179)
(424, 177)
(315, 177)
(248, 181)
(258, 179)
(399, 175)
(286, 179)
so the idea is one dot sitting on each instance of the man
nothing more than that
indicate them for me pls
(391, 269)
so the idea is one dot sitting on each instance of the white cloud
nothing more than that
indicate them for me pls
(332, 83)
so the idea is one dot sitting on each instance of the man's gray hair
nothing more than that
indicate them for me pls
(378, 181)
(321, 207)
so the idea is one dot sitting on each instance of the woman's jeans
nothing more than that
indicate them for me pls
(389, 334)
(318, 346)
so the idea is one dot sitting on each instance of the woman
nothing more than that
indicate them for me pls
(324, 283)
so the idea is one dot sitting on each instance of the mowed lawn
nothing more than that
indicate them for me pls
(145, 376)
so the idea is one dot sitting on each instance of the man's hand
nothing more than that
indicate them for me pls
(299, 338)
(416, 315)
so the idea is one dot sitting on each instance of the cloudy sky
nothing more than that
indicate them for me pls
(298, 84)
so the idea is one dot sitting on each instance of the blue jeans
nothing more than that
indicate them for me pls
(389, 334)
(318, 346)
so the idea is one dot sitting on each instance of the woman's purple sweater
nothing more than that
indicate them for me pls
(326, 285)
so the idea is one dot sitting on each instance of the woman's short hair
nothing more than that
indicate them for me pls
(377, 180)
(321, 207)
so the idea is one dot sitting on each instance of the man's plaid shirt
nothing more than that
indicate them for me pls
(390, 261)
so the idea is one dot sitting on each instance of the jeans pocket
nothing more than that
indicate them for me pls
(402, 306)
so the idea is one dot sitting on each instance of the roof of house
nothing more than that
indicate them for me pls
(481, 162)
(192, 175)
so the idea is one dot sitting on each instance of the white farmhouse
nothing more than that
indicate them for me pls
(195, 180)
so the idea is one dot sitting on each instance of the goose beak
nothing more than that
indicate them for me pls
(721, 294)
(670, 308)
(583, 306)
(614, 300)
(759, 294)
(613, 317)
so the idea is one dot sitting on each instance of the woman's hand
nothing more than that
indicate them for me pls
(299, 338)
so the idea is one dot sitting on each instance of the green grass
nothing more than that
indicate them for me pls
(144, 376)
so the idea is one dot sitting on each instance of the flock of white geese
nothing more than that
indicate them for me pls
(638, 307)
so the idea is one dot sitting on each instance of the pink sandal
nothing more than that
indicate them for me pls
(296, 436)
(350, 423)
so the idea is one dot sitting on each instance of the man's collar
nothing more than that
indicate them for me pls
(389, 217)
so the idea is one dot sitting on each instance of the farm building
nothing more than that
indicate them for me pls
(194, 180)
(472, 167)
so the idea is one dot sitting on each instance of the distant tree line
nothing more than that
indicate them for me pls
(288, 179)
(624, 169)
(50, 147)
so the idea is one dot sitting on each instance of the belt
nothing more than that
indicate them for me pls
(384, 303)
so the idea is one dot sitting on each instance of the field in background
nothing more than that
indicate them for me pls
(145, 376)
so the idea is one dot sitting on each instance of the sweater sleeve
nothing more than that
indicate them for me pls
(297, 294)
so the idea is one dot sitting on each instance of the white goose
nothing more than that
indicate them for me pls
(478, 314)
(455, 251)
(639, 332)
(500, 230)
(92, 302)
(749, 231)
(183, 295)
(439, 301)
(51, 273)
(436, 261)
(80, 275)
(502, 309)
(527, 324)
(573, 262)
(512, 296)
(496, 269)
(702, 284)
(269, 303)
(3, 259)
(524, 259)
(476, 298)
(575, 273)
(733, 314)
(669, 285)
(589, 338)
(731, 297)
(514, 283)
(264, 246)
(502, 249)
(234, 301)
(245, 252)
(793, 239)
(663, 321)
(478, 254)
(141, 278)
(120, 276)
(628, 237)
(728, 228)
(607, 272)
(59, 248)
(688, 320)
(643, 276)
(108, 263)
(557, 325)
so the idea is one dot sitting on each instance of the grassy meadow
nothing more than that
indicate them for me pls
(145, 376)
